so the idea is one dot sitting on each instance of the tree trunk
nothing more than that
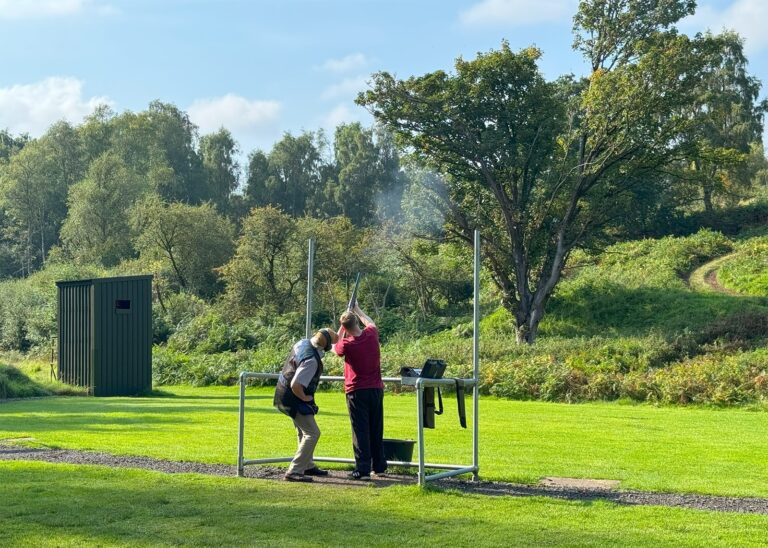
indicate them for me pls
(527, 323)
(707, 187)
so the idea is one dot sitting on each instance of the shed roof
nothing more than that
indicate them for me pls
(104, 280)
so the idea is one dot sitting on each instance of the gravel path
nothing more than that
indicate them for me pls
(339, 478)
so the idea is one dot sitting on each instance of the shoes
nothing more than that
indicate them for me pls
(356, 475)
(315, 471)
(381, 474)
(295, 476)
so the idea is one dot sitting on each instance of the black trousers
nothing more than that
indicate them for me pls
(366, 413)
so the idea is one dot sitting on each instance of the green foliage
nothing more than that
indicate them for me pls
(290, 177)
(28, 306)
(269, 266)
(211, 333)
(630, 369)
(661, 263)
(367, 172)
(358, 177)
(219, 151)
(96, 229)
(24, 316)
(547, 167)
(172, 367)
(729, 120)
(747, 271)
(718, 379)
(15, 384)
(728, 220)
(177, 310)
(191, 242)
(33, 191)
(213, 348)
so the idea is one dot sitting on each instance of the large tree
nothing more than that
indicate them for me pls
(729, 121)
(367, 183)
(10, 145)
(159, 143)
(219, 152)
(544, 167)
(33, 191)
(290, 177)
(190, 241)
(269, 265)
(97, 229)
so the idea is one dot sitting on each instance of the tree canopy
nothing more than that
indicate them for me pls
(545, 167)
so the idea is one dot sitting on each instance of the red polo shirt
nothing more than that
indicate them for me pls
(362, 360)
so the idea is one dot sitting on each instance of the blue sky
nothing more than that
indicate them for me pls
(263, 67)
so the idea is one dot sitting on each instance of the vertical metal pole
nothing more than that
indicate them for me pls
(476, 359)
(310, 280)
(420, 438)
(240, 471)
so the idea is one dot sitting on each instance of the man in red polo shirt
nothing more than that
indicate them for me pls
(365, 391)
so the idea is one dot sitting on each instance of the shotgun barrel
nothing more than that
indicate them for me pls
(353, 299)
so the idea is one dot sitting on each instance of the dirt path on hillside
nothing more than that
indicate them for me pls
(577, 490)
(704, 278)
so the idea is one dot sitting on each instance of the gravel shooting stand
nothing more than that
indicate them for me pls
(419, 383)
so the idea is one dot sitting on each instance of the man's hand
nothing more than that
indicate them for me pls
(298, 391)
(362, 315)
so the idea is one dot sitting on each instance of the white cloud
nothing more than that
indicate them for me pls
(340, 114)
(517, 12)
(747, 17)
(236, 113)
(32, 9)
(32, 108)
(353, 61)
(346, 88)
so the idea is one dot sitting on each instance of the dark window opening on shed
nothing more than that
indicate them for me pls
(122, 305)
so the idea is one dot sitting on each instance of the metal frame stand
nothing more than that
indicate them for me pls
(418, 382)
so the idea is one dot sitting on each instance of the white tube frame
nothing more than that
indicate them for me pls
(420, 384)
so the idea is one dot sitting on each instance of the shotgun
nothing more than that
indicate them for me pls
(353, 299)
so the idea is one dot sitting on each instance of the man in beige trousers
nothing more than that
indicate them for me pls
(294, 396)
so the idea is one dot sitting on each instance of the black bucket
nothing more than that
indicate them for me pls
(398, 450)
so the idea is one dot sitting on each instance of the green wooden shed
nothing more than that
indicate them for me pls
(105, 334)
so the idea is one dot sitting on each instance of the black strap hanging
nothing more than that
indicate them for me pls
(460, 403)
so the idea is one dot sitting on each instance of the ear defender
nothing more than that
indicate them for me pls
(327, 336)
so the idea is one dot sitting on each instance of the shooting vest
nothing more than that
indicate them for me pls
(285, 400)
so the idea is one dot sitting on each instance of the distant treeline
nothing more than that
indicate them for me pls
(75, 191)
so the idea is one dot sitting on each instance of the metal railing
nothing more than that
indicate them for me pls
(418, 383)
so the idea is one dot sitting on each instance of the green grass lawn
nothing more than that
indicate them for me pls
(715, 451)
(62, 505)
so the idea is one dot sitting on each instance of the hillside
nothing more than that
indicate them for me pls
(629, 323)
(624, 324)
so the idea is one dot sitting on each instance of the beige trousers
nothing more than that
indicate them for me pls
(308, 434)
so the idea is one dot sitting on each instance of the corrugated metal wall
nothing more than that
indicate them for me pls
(74, 332)
(117, 318)
(123, 349)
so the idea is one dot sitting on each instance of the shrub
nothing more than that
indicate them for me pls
(171, 367)
(27, 316)
(716, 379)
(211, 333)
(15, 384)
